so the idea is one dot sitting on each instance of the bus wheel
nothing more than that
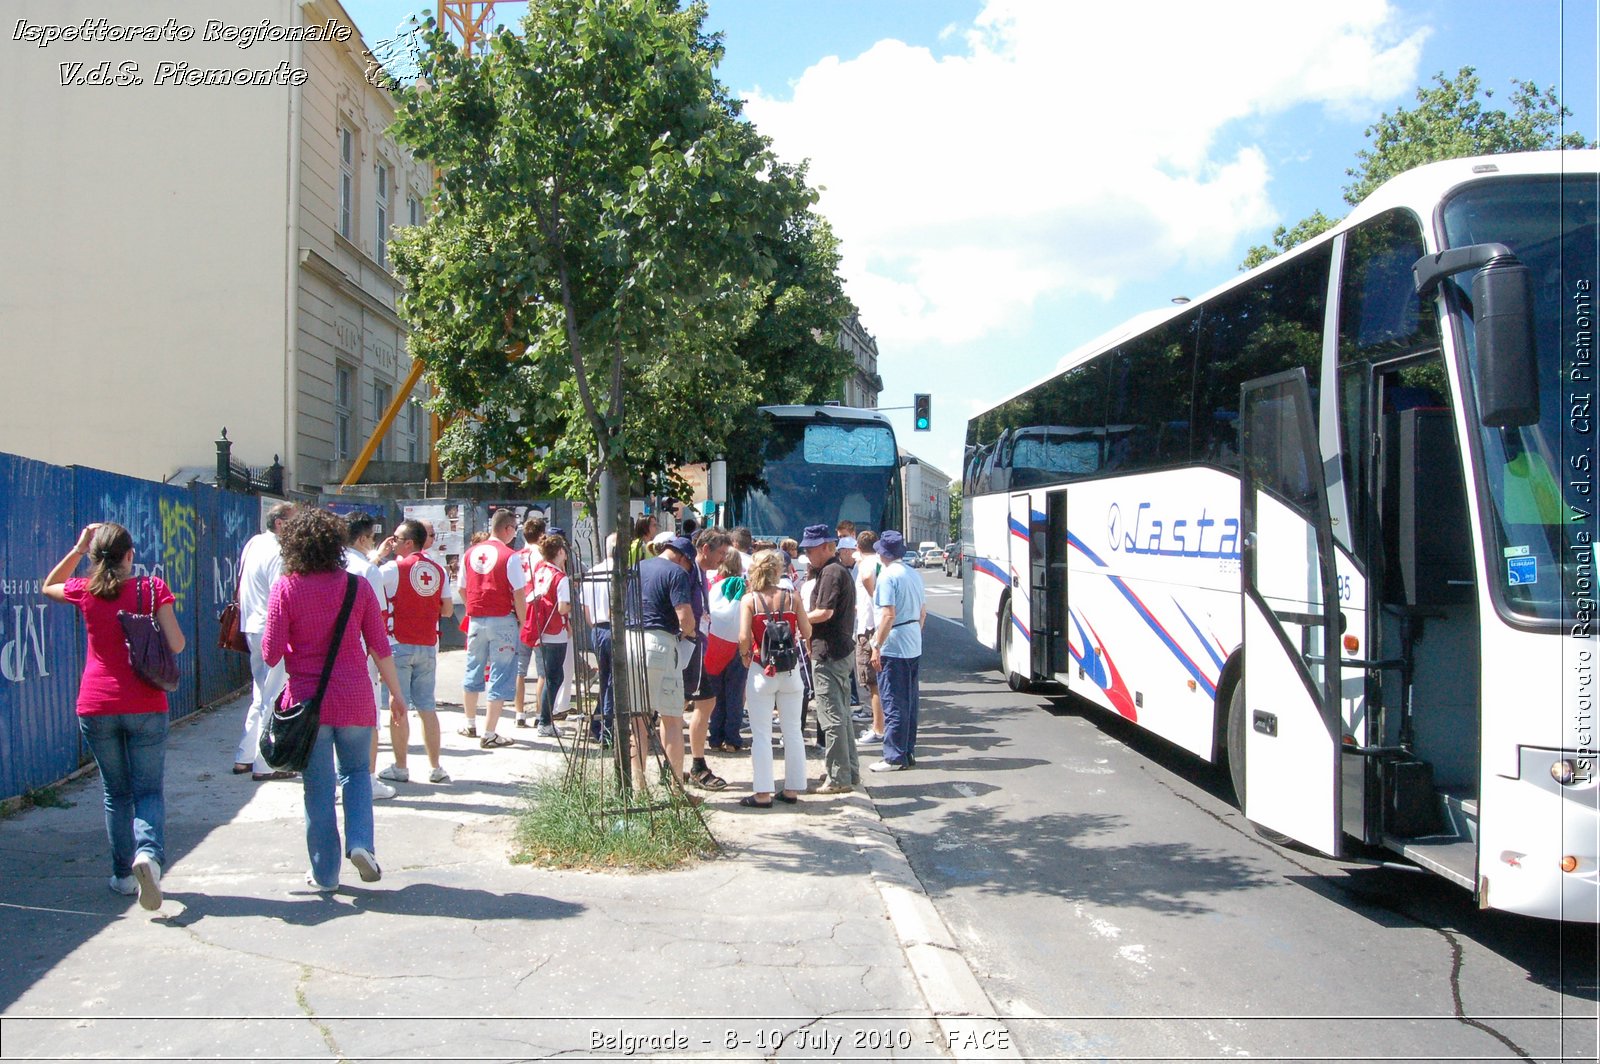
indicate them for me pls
(1236, 730)
(1014, 679)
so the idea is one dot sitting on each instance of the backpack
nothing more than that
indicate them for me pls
(780, 652)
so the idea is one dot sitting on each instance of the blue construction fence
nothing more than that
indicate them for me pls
(189, 536)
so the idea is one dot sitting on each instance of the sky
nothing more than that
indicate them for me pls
(1010, 179)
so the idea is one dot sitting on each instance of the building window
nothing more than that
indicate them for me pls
(411, 423)
(344, 391)
(413, 210)
(382, 396)
(347, 183)
(382, 237)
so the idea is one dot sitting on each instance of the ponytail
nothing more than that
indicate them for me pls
(111, 544)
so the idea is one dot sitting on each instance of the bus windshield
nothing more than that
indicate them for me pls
(821, 472)
(1539, 478)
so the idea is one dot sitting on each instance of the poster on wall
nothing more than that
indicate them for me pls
(445, 519)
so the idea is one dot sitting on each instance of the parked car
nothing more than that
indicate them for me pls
(933, 558)
(913, 559)
(952, 559)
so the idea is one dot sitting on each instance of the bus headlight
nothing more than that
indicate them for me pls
(1564, 772)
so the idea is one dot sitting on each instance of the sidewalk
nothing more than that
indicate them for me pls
(808, 938)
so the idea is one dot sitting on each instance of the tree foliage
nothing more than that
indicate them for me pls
(606, 225)
(1452, 120)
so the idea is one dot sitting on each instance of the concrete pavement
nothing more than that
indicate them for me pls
(808, 937)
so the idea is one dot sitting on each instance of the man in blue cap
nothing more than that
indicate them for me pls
(666, 618)
(833, 621)
(897, 651)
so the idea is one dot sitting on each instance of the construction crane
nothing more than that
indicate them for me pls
(466, 20)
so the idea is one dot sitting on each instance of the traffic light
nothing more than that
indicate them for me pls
(922, 410)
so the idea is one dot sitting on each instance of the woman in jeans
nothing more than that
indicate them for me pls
(122, 718)
(301, 615)
(546, 626)
(766, 689)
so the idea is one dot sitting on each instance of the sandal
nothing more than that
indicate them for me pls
(241, 767)
(281, 774)
(786, 799)
(494, 742)
(708, 779)
(470, 731)
(749, 802)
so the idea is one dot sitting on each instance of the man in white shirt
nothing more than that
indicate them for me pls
(358, 544)
(596, 596)
(868, 565)
(259, 565)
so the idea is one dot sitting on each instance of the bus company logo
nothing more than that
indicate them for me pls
(1160, 533)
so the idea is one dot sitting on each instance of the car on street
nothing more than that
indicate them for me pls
(913, 559)
(952, 559)
(933, 558)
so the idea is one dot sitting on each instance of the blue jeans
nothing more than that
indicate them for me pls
(601, 640)
(130, 749)
(354, 749)
(727, 719)
(553, 667)
(492, 642)
(897, 686)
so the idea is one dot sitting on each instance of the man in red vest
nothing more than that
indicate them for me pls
(494, 585)
(419, 595)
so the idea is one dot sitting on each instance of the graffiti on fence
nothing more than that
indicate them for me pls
(22, 640)
(178, 549)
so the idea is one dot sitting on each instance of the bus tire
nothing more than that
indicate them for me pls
(1236, 731)
(1014, 679)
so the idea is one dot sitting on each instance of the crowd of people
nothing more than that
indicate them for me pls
(728, 634)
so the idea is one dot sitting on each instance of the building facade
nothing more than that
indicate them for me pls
(204, 243)
(927, 494)
(863, 386)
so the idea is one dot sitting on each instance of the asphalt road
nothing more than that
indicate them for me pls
(1116, 906)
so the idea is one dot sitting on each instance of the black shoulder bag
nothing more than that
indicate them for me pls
(287, 740)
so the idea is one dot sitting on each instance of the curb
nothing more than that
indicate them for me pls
(956, 1000)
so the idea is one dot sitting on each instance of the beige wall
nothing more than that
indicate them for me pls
(142, 260)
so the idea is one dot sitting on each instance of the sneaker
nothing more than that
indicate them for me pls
(886, 766)
(870, 736)
(366, 864)
(522, 722)
(547, 731)
(438, 775)
(381, 790)
(320, 888)
(125, 885)
(147, 870)
(396, 774)
(862, 716)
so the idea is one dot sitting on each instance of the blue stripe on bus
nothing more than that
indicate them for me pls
(1018, 529)
(1216, 659)
(1021, 627)
(984, 565)
(1149, 619)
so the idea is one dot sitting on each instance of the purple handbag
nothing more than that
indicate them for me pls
(152, 659)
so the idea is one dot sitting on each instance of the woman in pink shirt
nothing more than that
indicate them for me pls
(301, 614)
(122, 718)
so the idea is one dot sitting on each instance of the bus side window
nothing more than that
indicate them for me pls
(1152, 381)
(1272, 325)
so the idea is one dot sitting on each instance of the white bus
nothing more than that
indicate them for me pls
(1379, 445)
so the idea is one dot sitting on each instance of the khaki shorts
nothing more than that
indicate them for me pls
(866, 672)
(663, 679)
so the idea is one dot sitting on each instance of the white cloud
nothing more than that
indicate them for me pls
(1064, 148)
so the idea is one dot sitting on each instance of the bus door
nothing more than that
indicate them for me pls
(1030, 626)
(1291, 618)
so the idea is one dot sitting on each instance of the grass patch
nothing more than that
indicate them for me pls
(562, 824)
(43, 798)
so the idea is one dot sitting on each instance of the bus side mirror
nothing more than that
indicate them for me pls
(1508, 366)
(1502, 304)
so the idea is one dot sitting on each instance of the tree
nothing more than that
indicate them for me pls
(955, 513)
(1449, 122)
(605, 224)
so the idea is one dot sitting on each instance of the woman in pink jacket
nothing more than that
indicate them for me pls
(301, 614)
